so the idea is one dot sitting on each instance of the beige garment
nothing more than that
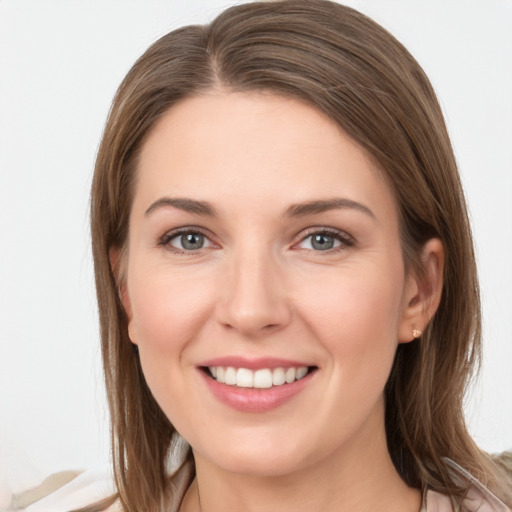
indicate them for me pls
(66, 491)
(46, 487)
(475, 501)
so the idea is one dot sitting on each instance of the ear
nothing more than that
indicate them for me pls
(117, 262)
(422, 294)
(118, 265)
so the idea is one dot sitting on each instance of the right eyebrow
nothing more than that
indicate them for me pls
(183, 203)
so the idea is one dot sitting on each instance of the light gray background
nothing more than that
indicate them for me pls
(60, 64)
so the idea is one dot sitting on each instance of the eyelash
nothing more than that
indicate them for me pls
(345, 239)
(165, 241)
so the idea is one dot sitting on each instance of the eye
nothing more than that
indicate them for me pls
(186, 241)
(325, 241)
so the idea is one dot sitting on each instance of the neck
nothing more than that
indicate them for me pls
(359, 478)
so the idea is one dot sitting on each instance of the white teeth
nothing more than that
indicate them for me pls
(301, 372)
(263, 379)
(230, 376)
(244, 378)
(290, 375)
(278, 377)
(260, 379)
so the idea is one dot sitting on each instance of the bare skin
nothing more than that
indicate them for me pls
(260, 231)
(350, 483)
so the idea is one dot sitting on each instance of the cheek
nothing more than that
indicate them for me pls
(356, 315)
(167, 310)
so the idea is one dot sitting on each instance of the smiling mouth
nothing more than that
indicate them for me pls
(263, 378)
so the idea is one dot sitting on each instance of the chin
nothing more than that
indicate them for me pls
(257, 457)
(261, 465)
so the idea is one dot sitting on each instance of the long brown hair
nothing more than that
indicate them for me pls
(353, 70)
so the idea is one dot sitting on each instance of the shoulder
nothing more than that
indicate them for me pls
(66, 491)
(436, 502)
(71, 490)
(475, 501)
(478, 497)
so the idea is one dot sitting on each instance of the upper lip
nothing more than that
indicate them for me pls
(255, 363)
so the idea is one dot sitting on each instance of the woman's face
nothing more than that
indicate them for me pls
(264, 244)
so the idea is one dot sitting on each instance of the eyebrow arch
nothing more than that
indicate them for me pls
(323, 205)
(183, 203)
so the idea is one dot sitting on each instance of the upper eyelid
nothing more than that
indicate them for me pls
(345, 240)
(186, 229)
(324, 230)
(173, 233)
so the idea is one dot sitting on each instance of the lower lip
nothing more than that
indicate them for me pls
(253, 399)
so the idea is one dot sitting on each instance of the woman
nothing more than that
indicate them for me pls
(312, 349)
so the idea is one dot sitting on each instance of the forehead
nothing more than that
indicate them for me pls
(254, 145)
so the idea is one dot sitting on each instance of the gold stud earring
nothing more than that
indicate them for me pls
(416, 333)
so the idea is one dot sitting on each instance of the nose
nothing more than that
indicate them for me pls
(253, 299)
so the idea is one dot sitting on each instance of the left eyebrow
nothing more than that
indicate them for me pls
(324, 205)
